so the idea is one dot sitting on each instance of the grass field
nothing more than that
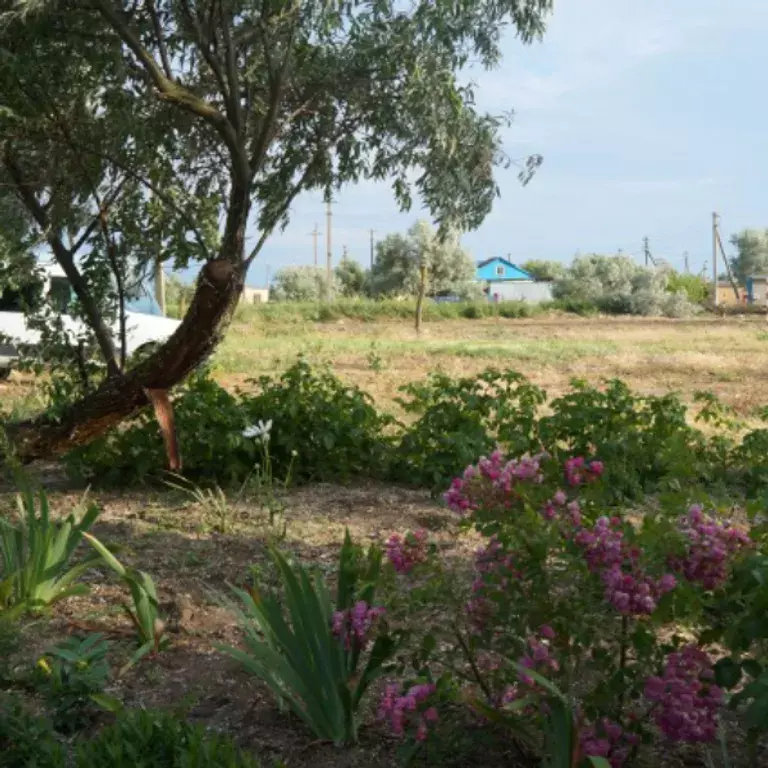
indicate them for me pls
(727, 356)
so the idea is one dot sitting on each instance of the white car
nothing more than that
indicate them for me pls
(145, 323)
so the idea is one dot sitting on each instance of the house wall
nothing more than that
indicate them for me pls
(520, 291)
(254, 295)
(758, 290)
(726, 298)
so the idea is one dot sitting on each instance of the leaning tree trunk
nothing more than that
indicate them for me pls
(218, 291)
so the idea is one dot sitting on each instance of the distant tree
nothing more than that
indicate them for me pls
(752, 257)
(618, 285)
(695, 287)
(396, 270)
(351, 277)
(300, 284)
(543, 269)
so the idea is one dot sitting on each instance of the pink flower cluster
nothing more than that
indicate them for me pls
(400, 709)
(710, 544)
(628, 588)
(404, 552)
(688, 701)
(579, 471)
(495, 568)
(558, 504)
(538, 657)
(609, 740)
(353, 626)
(504, 475)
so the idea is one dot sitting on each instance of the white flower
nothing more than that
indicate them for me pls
(259, 430)
(294, 453)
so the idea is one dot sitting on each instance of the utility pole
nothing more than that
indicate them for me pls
(268, 271)
(371, 249)
(715, 220)
(329, 249)
(160, 285)
(685, 260)
(315, 232)
(726, 262)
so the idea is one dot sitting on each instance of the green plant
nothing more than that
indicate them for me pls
(159, 740)
(35, 555)
(309, 655)
(216, 509)
(72, 675)
(145, 611)
(26, 741)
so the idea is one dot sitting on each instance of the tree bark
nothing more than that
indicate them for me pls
(420, 297)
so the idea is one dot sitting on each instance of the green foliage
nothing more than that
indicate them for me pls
(323, 429)
(645, 440)
(144, 613)
(752, 253)
(695, 287)
(27, 741)
(158, 740)
(302, 284)
(70, 676)
(461, 419)
(351, 277)
(138, 739)
(291, 645)
(395, 270)
(542, 269)
(35, 555)
(617, 285)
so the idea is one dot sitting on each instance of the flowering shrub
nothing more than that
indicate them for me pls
(353, 625)
(401, 710)
(404, 552)
(593, 603)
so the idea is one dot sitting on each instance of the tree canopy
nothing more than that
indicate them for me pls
(752, 253)
(148, 129)
(399, 257)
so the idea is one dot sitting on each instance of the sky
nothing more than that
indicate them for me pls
(650, 115)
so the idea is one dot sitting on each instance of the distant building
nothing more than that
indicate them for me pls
(726, 296)
(757, 289)
(254, 295)
(505, 281)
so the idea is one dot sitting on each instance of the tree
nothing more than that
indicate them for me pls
(396, 269)
(236, 107)
(752, 258)
(301, 284)
(542, 269)
(351, 277)
(618, 285)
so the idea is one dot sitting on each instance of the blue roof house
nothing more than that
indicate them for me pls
(498, 269)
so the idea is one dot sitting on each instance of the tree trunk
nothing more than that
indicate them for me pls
(218, 291)
(420, 297)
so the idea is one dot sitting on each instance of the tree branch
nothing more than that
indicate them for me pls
(169, 90)
(64, 258)
(152, 8)
(236, 113)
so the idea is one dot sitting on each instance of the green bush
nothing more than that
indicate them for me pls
(158, 740)
(138, 739)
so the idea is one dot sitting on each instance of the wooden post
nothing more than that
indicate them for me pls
(329, 251)
(714, 258)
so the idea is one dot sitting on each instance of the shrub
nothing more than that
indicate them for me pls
(158, 740)
(570, 596)
(309, 654)
(71, 675)
(25, 740)
(616, 285)
(462, 419)
(301, 284)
